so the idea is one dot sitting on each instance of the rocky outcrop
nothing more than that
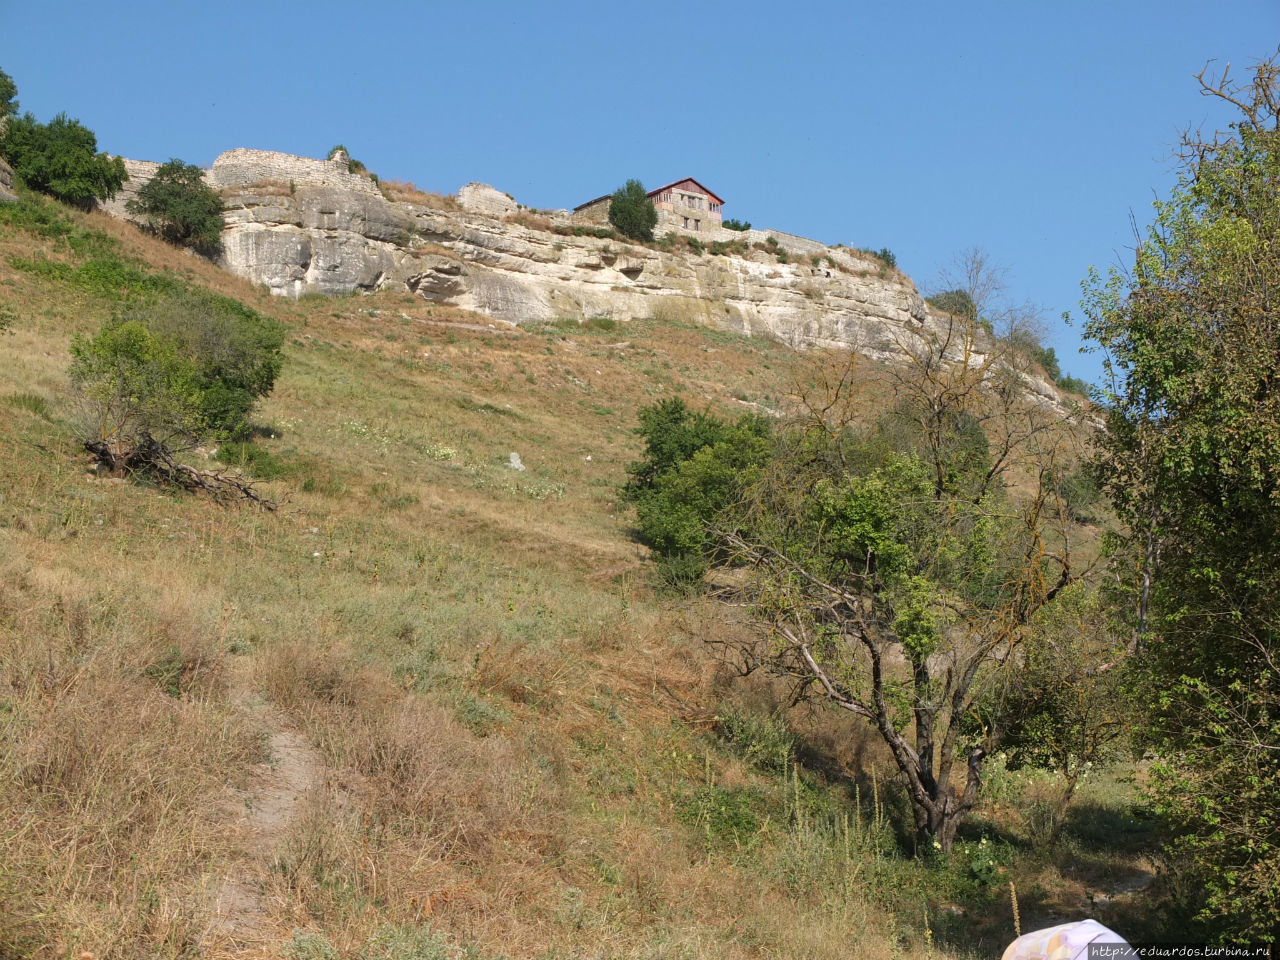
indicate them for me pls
(300, 225)
(483, 199)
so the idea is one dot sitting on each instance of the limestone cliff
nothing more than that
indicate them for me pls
(300, 225)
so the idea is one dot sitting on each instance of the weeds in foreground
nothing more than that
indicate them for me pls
(525, 754)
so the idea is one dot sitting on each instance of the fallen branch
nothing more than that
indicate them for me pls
(155, 461)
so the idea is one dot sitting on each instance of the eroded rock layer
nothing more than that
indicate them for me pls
(300, 225)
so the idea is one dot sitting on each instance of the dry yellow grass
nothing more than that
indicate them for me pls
(505, 728)
(531, 219)
(403, 191)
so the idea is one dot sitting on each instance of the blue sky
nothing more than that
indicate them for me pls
(1031, 130)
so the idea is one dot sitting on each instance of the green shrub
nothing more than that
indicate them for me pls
(722, 248)
(887, 257)
(42, 217)
(695, 466)
(253, 459)
(763, 741)
(61, 158)
(178, 205)
(309, 946)
(732, 224)
(672, 433)
(1074, 385)
(480, 715)
(108, 277)
(180, 369)
(132, 383)
(727, 817)
(395, 941)
(958, 303)
(353, 165)
(632, 212)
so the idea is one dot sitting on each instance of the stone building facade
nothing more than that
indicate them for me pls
(685, 206)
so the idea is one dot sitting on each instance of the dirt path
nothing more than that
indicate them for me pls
(265, 811)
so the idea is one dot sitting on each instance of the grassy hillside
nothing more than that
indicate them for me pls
(432, 705)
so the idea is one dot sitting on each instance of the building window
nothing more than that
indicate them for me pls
(686, 223)
(697, 224)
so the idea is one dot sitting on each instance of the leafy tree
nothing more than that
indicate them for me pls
(174, 371)
(732, 224)
(632, 212)
(60, 158)
(134, 384)
(672, 433)
(181, 207)
(1067, 706)
(1191, 459)
(866, 547)
(695, 467)
(8, 97)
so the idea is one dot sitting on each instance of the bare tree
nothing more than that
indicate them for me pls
(897, 571)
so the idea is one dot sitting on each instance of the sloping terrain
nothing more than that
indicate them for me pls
(431, 704)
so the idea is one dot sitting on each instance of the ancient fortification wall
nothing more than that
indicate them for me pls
(800, 246)
(476, 197)
(241, 168)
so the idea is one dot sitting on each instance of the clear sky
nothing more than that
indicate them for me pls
(1032, 130)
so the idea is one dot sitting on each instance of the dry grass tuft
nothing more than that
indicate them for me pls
(115, 765)
(512, 728)
(402, 191)
(530, 219)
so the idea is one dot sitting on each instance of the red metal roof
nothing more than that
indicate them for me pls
(651, 193)
(673, 183)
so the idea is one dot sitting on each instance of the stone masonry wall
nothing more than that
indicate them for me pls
(140, 172)
(242, 167)
(597, 212)
(801, 246)
(476, 197)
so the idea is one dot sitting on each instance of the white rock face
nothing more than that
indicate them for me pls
(140, 172)
(481, 198)
(300, 225)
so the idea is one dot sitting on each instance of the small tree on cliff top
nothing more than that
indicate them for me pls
(632, 212)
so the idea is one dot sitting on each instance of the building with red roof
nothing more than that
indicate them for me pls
(684, 206)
